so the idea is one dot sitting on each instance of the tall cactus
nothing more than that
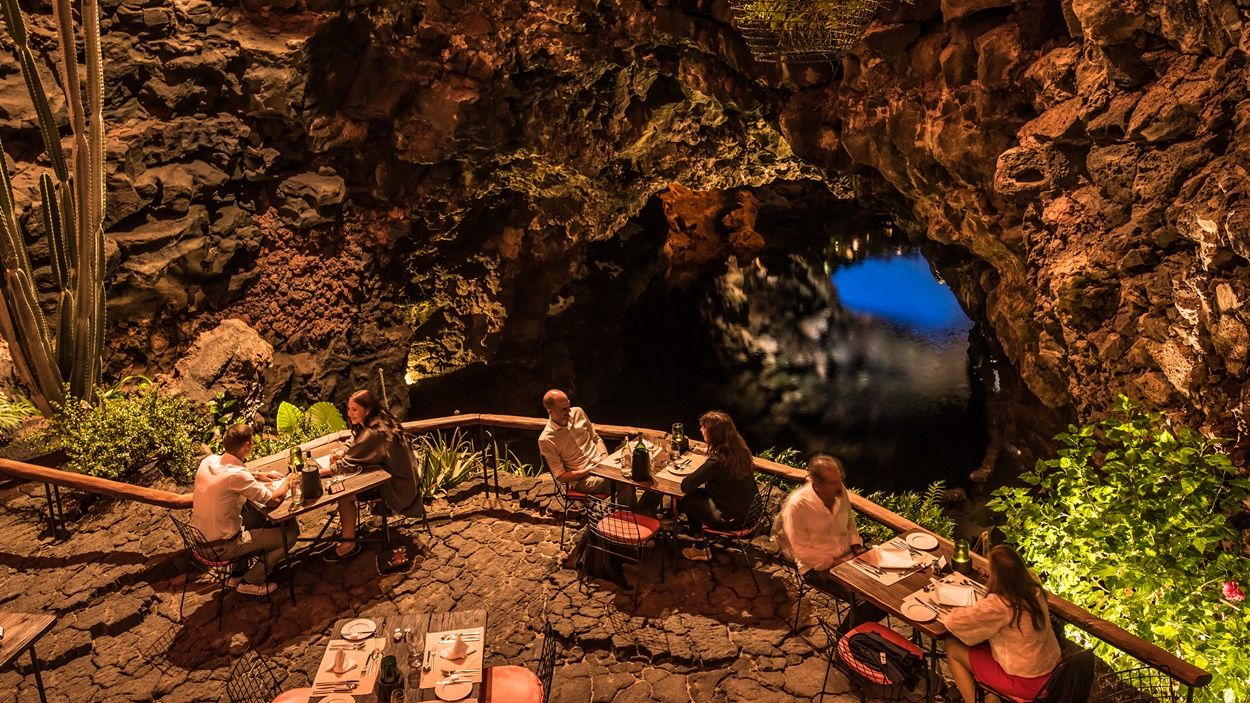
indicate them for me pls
(73, 221)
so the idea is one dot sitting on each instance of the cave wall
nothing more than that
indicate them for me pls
(1090, 158)
(417, 187)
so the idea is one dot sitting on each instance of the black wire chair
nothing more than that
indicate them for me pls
(203, 558)
(511, 683)
(571, 502)
(619, 533)
(1077, 667)
(1142, 684)
(873, 683)
(251, 680)
(741, 536)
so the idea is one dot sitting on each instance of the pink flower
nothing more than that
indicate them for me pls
(1232, 593)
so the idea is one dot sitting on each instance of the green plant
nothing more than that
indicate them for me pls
(125, 429)
(507, 460)
(294, 426)
(925, 509)
(73, 216)
(446, 461)
(1131, 521)
(319, 419)
(14, 409)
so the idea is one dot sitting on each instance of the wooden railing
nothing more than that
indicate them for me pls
(1144, 651)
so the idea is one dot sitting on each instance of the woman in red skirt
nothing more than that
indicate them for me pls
(1005, 640)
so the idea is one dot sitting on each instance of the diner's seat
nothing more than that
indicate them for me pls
(1072, 678)
(741, 535)
(251, 680)
(295, 695)
(205, 560)
(517, 684)
(839, 653)
(620, 533)
(570, 499)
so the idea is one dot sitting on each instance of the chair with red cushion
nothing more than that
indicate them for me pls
(202, 557)
(620, 533)
(295, 695)
(1074, 673)
(252, 680)
(571, 501)
(741, 536)
(517, 684)
(839, 653)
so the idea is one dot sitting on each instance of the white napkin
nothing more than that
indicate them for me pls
(955, 594)
(889, 557)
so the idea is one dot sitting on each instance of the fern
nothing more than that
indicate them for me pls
(14, 408)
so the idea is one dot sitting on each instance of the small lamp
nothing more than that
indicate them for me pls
(962, 562)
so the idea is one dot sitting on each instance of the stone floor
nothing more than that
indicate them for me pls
(114, 583)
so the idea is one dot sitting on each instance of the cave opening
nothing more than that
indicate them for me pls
(837, 337)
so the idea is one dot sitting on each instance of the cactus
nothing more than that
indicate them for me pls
(73, 219)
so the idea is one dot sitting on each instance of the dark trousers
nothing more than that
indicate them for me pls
(861, 610)
(700, 510)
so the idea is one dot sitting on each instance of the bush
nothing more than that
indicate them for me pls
(1131, 521)
(125, 429)
(14, 409)
(446, 461)
(294, 426)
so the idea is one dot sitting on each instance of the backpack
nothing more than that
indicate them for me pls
(879, 658)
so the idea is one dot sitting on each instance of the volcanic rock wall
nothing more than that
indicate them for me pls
(1090, 157)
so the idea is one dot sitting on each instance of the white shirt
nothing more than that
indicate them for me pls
(569, 448)
(217, 500)
(1019, 649)
(813, 535)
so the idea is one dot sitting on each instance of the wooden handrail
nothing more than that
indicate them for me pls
(1104, 630)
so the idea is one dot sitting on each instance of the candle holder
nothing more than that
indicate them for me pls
(962, 561)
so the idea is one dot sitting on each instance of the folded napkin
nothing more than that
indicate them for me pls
(889, 557)
(954, 594)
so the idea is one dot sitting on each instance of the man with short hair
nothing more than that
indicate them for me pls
(223, 485)
(816, 528)
(570, 445)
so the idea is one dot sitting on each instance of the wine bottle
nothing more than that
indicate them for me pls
(388, 679)
(294, 461)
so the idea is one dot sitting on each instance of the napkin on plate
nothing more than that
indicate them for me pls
(954, 594)
(889, 557)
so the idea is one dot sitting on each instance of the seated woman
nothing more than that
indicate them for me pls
(1014, 621)
(719, 494)
(377, 441)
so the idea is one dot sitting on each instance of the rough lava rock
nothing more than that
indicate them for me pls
(230, 358)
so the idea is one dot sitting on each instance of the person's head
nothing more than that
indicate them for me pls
(827, 476)
(724, 442)
(361, 407)
(1010, 578)
(238, 440)
(557, 405)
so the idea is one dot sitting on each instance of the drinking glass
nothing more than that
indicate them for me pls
(397, 696)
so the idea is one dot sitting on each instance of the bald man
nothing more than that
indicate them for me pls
(816, 528)
(570, 445)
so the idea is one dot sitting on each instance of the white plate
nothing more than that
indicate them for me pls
(338, 698)
(454, 691)
(922, 540)
(917, 613)
(357, 630)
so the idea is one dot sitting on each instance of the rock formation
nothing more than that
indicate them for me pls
(438, 189)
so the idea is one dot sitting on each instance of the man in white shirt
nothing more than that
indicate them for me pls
(571, 446)
(223, 485)
(816, 528)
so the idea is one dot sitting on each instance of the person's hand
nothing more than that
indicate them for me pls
(857, 549)
(272, 476)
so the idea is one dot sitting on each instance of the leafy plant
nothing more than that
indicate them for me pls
(73, 216)
(319, 419)
(14, 409)
(507, 460)
(925, 509)
(125, 429)
(1131, 520)
(446, 461)
(294, 426)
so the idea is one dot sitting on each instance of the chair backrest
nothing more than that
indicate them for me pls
(612, 521)
(1071, 681)
(251, 680)
(547, 660)
(196, 544)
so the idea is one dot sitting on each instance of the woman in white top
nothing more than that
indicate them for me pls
(1005, 640)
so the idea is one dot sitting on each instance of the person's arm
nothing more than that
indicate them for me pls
(977, 623)
(368, 449)
(245, 483)
(278, 494)
(562, 474)
(701, 475)
(802, 540)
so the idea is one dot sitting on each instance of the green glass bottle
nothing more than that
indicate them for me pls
(388, 678)
(294, 460)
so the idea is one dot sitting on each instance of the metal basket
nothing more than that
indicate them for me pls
(798, 31)
(1140, 685)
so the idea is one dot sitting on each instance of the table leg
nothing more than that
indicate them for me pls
(931, 687)
(34, 665)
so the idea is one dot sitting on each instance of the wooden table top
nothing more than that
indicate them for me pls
(420, 624)
(890, 598)
(657, 484)
(20, 631)
(362, 481)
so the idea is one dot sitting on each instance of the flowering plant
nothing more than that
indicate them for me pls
(1131, 522)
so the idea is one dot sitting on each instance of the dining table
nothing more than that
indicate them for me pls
(422, 640)
(891, 597)
(18, 633)
(665, 479)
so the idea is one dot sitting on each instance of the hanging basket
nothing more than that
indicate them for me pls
(797, 31)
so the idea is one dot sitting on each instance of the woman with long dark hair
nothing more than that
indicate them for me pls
(377, 442)
(1005, 640)
(720, 492)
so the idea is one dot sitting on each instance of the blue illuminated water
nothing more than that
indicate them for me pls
(902, 290)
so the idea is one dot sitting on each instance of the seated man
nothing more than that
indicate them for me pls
(570, 445)
(816, 528)
(223, 485)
